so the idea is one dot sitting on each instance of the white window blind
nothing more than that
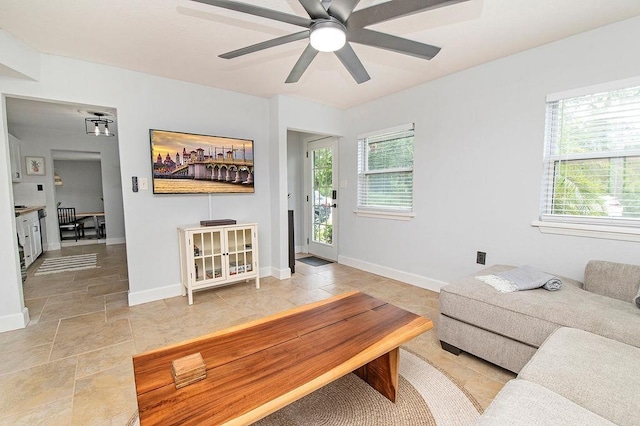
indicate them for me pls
(385, 170)
(592, 159)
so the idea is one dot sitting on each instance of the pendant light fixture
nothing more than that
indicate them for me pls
(98, 125)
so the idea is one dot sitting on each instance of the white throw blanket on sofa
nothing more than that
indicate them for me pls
(522, 278)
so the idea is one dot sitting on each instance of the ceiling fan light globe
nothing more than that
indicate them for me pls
(327, 36)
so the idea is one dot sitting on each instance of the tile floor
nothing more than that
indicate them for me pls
(72, 364)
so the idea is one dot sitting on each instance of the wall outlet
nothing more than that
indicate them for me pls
(481, 258)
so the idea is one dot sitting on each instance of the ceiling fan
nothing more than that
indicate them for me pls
(332, 24)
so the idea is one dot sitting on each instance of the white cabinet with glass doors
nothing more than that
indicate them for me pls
(212, 256)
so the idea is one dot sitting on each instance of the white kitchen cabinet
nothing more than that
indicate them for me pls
(28, 226)
(16, 163)
(212, 256)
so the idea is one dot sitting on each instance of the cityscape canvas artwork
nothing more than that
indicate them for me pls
(187, 163)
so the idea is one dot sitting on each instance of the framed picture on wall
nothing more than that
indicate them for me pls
(35, 165)
(189, 163)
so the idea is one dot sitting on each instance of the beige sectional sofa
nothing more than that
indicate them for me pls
(507, 328)
(575, 378)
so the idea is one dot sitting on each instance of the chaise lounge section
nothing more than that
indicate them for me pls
(508, 328)
(575, 378)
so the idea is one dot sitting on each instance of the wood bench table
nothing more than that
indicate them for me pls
(256, 368)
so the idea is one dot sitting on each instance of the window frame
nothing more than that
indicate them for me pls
(607, 227)
(382, 211)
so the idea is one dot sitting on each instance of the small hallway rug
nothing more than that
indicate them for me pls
(426, 396)
(313, 261)
(77, 262)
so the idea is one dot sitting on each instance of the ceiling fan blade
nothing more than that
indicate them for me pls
(259, 11)
(351, 62)
(393, 43)
(314, 8)
(394, 9)
(301, 66)
(266, 44)
(342, 9)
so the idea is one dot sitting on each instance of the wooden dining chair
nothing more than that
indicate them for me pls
(67, 221)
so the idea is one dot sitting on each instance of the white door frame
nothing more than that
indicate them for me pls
(329, 252)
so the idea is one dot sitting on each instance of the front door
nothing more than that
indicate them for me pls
(322, 198)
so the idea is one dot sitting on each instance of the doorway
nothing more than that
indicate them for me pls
(78, 184)
(321, 184)
(56, 132)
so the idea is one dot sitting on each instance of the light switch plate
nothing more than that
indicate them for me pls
(144, 184)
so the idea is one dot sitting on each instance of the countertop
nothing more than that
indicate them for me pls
(29, 209)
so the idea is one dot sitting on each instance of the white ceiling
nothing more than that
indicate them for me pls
(181, 39)
(65, 117)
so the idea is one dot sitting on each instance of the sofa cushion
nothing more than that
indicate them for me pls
(525, 403)
(597, 373)
(531, 316)
(617, 280)
(500, 350)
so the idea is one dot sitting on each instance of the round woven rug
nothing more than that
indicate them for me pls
(426, 396)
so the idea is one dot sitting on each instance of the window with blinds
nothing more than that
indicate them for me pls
(385, 170)
(592, 159)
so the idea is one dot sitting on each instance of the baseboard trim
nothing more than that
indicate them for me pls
(112, 241)
(14, 321)
(166, 292)
(395, 274)
(151, 295)
(281, 274)
(264, 272)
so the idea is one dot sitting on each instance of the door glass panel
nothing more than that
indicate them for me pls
(216, 248)
(199, 269)
(207, 255)
(322, 182)
(198, 255)
(233, 263)
(217, 266)
(232, 240)
(197, 245)
(208, 268)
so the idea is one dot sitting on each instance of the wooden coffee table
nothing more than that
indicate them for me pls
(259, 367)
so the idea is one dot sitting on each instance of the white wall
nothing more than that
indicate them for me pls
(81, 185)
(478, 164)
(295, 184)
(143, 102)
(13, 313)
(299, 115)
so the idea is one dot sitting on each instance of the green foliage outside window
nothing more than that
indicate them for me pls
(386, 171)
(594, 153)
(323, 188)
